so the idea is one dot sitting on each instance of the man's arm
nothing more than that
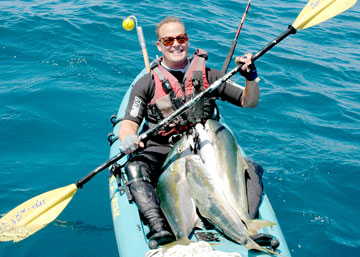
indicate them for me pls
(129, 141)
(127, 127)
(134, 115)
(251, 93)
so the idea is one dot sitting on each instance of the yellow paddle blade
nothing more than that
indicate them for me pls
(317, 11)
(34, 214)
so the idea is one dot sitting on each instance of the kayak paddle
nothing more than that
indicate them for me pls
(31, 216)
(314, 12)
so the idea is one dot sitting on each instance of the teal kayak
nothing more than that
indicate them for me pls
(129, 229)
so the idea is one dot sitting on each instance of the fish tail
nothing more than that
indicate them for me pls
(255, 225)
(252, 245)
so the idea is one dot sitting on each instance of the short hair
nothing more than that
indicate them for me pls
(168, 19)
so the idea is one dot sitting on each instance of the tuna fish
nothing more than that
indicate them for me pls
(173, 192)
(216, 180)
(206, 170)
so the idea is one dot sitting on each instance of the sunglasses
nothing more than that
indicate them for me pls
(169, 41)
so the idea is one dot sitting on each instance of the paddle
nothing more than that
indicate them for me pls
(234, 42)
(39, 211)
(314, 12)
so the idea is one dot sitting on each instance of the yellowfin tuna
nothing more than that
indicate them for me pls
(216, 179)
(173, 192)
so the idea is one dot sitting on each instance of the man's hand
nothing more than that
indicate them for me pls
(248, 70)
(130, 144)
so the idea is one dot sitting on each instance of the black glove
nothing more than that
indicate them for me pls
(250, 74)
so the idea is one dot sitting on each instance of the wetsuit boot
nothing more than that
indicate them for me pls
(149, 206)
(266, 240)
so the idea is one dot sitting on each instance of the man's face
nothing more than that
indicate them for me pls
(175, 56)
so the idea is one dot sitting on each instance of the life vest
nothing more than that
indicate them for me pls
(170, 94)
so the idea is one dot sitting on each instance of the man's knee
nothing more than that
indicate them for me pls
(137, 170)
(254, 187)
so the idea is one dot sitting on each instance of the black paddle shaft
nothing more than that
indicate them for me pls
(290, 30)
(96, 171)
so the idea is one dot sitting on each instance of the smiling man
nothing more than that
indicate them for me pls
(174, 53)
(173, 80)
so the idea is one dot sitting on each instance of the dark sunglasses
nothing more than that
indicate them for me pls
(169, 41)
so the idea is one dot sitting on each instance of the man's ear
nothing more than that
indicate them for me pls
(158, 45)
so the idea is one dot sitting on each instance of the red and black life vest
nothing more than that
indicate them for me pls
(170, 94)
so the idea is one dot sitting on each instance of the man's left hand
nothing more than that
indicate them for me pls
(248, 69)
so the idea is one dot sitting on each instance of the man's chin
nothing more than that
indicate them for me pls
(179, 59)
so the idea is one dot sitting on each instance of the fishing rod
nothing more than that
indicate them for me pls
(34, 214)
(234, 42)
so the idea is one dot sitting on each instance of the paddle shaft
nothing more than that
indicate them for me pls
(234, 42)
(100, 168)
(289, 31)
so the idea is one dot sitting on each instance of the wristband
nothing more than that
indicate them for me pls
(252, 75)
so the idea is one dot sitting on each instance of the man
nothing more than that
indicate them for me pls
(173, 80)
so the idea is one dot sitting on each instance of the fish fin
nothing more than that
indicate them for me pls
(255, 225)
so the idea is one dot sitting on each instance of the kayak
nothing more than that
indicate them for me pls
(130, 231)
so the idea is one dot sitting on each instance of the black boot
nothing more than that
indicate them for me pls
(149, 207)
(159, 232)
(148, 203)
(266, 240)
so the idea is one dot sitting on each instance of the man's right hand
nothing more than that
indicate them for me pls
(130, 144)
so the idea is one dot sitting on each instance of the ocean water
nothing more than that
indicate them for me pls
(65, 66)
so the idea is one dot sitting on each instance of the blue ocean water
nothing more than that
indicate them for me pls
(65, 66)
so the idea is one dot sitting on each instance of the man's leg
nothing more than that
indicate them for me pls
(254, 187)
(147, 201)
